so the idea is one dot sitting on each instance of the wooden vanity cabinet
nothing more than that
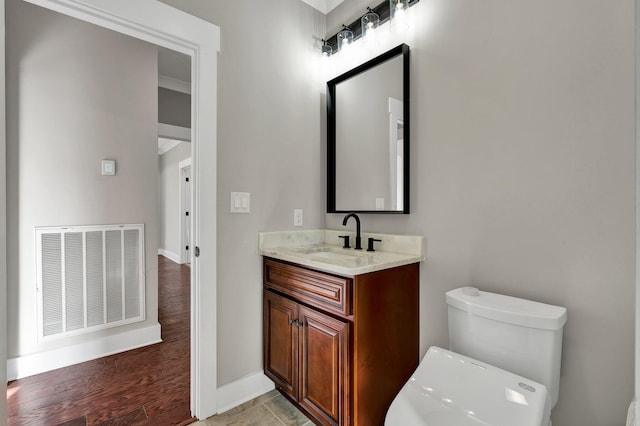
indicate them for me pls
(340, 348)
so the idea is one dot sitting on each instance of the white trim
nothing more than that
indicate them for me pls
(633, 413)
(169, 131)
(174, 84)
(169, 255)
(242, 390)
(396, 147)
(165, 145)
(163, 25)
(41, 362)
(148, 20)
(184, 163)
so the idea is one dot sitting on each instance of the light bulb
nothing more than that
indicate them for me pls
(369, 23)
(399, 15)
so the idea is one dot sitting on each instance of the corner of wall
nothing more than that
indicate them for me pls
(637, 100)
(3, 211)
(239, 391)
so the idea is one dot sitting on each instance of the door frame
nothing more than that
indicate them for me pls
(163, 25)
(185, 255)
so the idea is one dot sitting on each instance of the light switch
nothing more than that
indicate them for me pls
(379, 203)
(297, 217)
(240, 202)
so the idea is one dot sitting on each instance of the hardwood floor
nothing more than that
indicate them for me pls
(146, 386)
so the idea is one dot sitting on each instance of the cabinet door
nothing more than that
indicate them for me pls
(281, 342)
(324, 370)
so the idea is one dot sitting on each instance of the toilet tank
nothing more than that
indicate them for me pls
(518, 335)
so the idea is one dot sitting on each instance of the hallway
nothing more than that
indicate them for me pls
(146, 386)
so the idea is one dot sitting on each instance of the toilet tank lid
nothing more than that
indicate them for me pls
(507, 309)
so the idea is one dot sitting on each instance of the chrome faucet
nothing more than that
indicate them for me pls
(358, 239)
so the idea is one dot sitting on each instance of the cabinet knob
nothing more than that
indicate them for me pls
(295, 322)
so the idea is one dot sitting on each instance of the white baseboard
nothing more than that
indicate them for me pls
(242, 390)
(169, 255)
(632, 413)
(41, 362)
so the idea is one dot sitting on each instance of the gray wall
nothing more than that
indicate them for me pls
(268, 145)
(3, 222)
(169, 197)
(522, 166)
(71, 103)
(174, 107)
(522, 175)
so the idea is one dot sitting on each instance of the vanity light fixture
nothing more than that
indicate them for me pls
(327, 50)
(398, 14)
(398, 7)
(345, 37)
(394, 10)
(369, 22)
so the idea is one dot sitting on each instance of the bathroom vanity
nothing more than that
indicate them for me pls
(340, 327)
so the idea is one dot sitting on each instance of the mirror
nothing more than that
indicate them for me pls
(368, 136)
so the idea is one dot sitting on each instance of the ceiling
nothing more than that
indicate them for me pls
(174, 65)
(174, 73)
(324, 6)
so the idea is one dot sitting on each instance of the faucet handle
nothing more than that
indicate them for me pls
(346, 241)
(370, 243)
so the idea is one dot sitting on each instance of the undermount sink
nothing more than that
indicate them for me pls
(331, 254)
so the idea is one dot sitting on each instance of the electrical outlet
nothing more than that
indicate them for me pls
(297, 217)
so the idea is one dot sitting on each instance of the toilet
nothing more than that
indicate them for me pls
(502, 367)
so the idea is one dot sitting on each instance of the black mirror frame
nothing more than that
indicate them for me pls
(403, 50)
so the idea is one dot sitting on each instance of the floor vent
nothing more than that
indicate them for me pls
(89, 278)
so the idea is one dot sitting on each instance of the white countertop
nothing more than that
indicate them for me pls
(322, 250)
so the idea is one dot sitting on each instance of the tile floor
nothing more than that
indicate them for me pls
(270, 409)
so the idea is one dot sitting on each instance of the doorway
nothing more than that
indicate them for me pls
(162, 25)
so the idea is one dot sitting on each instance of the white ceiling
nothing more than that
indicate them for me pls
(324, 6)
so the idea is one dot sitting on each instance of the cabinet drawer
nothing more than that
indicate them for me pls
(321, 290)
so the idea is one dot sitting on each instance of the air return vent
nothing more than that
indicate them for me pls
(89, 278)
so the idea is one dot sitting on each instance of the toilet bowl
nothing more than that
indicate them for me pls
(449, 389)
(502, 369)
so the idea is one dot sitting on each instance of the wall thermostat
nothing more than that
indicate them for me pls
(108, 167)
